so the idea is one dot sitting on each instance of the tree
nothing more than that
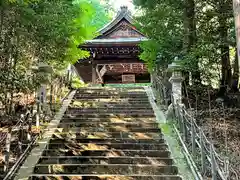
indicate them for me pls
(203, 33)
(33, 31)
(162, 23)
(102, 15)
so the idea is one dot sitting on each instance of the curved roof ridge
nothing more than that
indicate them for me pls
(123, 13)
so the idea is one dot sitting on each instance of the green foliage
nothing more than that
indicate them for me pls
(81, 31)
(162, 26)
(49, 31)
(76, 83)
(201, 33)
(101, 12)
(150, 53)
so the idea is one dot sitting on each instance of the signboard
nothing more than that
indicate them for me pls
(128, 78)
(127, 68)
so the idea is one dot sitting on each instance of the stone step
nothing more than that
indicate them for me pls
(121, 102)
(109, 98)
(114, 101)
(109, 110)
(130, 91)
(108, 124)
(112, 129)
(104, 177)
(125, 152)
(103, 160)
(104, 146)
(107, 133)
(123, 94)
(113, 89)
(109, 107)
(114, 96)
(120, 135)
(107, 115)
(120, 169)
(109, 140)
(124, 99)
(93, 105)
(110, 90)
(112, 119)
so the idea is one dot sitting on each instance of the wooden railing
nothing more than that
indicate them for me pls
(24, 137)
(28, 129)
(200, 153)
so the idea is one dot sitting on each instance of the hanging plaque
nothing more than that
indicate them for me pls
(128, 78)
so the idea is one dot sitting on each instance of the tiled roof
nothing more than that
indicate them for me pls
(123, 13)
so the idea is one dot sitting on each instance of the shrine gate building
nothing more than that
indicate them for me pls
(114, 54)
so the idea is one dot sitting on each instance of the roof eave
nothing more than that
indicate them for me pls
(113, 41)
(116, 20)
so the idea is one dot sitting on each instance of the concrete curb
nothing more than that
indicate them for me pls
(171, 140)
(158, 113)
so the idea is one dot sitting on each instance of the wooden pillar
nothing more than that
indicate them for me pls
(7, 149)
(94, 76)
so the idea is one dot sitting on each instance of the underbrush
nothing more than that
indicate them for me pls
(219, 117)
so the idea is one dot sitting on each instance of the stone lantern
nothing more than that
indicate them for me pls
(176, 80)
(43, 72)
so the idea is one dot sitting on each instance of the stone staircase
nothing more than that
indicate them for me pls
(108, 134)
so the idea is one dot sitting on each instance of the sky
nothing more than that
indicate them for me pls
(118, 3)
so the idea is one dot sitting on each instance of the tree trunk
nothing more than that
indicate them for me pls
(2, 8)
(185, 48)
(224, 47)
(235, 73)
(190, 38)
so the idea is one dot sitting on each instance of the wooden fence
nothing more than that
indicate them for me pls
(200, 153)
(27, 130)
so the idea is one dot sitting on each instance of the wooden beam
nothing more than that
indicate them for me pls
(94, 75)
